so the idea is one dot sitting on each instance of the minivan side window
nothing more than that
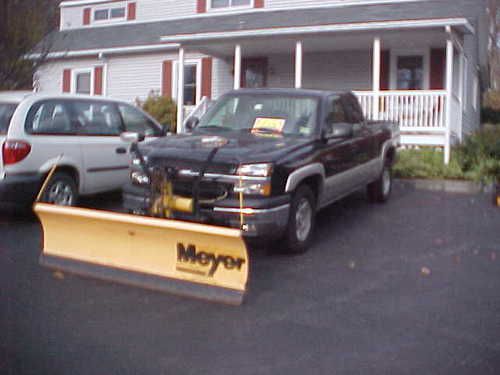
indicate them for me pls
(137, 122)
(6, 112)
(96, 118)
(50, 117)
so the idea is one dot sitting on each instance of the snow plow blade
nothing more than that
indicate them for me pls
(182, 258)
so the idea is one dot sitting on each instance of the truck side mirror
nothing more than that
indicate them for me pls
(132, 137)
(340, 130)
(192, 123)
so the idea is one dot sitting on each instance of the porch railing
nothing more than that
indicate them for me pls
(415, 111)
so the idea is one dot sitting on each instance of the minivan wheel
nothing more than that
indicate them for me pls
(380, 190)
(301, 222)
(61, 190)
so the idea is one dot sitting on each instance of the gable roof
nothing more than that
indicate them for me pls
(147, 34)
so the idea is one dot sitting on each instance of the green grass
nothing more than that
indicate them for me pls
(427, 164)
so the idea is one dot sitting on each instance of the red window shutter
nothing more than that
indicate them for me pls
(259, 4)
(86, 16)
(438, 60)
(132, 7)
(66, 83)
(98, 80)
(201, 6)
(206, 74)
(166, 87)
(385, 69)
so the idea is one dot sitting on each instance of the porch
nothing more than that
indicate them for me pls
(411, 75)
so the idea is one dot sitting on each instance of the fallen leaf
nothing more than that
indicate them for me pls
(493, 256)
(425, 271)
(58, 275)
(457, 259)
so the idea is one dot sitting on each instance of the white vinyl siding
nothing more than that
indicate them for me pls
(135, 76)
(71, 18)
(340, 70)
(153, 10)
(222, 78)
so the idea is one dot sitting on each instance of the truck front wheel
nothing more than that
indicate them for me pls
(301, 222)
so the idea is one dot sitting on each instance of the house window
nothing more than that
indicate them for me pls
(190, 85)
(82, 82)
(410, 73)
(224, 4)
(110, 14)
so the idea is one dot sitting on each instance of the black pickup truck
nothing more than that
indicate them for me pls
(266, 160)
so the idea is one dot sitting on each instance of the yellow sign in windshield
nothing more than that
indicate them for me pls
(271, 123)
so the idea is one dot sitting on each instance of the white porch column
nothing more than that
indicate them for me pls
(449, 91)
(298, 64)
(180, 91)
(376, 78)
(237, 67)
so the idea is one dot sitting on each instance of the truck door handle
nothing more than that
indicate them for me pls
(121, 150)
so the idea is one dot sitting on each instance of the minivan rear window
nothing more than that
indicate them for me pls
(6, 112)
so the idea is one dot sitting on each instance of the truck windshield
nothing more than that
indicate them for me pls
(6, 112)
(277, 114)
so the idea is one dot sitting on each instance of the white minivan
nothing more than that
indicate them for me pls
(83, 131)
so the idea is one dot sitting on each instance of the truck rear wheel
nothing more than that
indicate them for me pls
(379, 191)
(301, 222)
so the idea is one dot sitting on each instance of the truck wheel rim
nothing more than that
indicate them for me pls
(303, 219)
(60, 194)
(386, 181)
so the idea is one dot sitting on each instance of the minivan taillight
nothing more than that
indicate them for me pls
(14, 151)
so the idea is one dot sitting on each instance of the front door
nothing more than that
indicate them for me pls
(254, 72)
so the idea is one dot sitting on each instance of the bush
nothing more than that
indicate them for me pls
(163, 109)
(479, 155)
(490, 113)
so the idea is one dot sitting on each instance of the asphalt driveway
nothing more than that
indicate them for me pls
(409, 287)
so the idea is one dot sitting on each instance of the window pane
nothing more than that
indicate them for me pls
(190, 74)
(118, 13)
(410, 72)
(240, 2)
(83, 83)
(135, 121)
(189, 95)
(6, 112)
(101, 14)
(220, 3)
(97, 118)
(49, 118)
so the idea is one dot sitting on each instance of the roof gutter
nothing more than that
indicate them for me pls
(102, 52)
(462, 23)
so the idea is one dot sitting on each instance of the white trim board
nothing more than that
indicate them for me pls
(361, 26)
(108, 51)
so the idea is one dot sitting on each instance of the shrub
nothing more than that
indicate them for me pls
(490, 112)
(163, 109)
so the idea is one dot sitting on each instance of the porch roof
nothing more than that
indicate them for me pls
(140, 36)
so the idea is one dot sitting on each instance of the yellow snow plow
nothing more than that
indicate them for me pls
(159, 253)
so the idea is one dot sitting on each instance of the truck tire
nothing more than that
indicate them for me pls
(380, 190)
(301, 222)
(61, 190)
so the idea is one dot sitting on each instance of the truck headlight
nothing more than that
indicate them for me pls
(139, 178)
(255, 170)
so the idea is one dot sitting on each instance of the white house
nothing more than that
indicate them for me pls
(420, 62)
